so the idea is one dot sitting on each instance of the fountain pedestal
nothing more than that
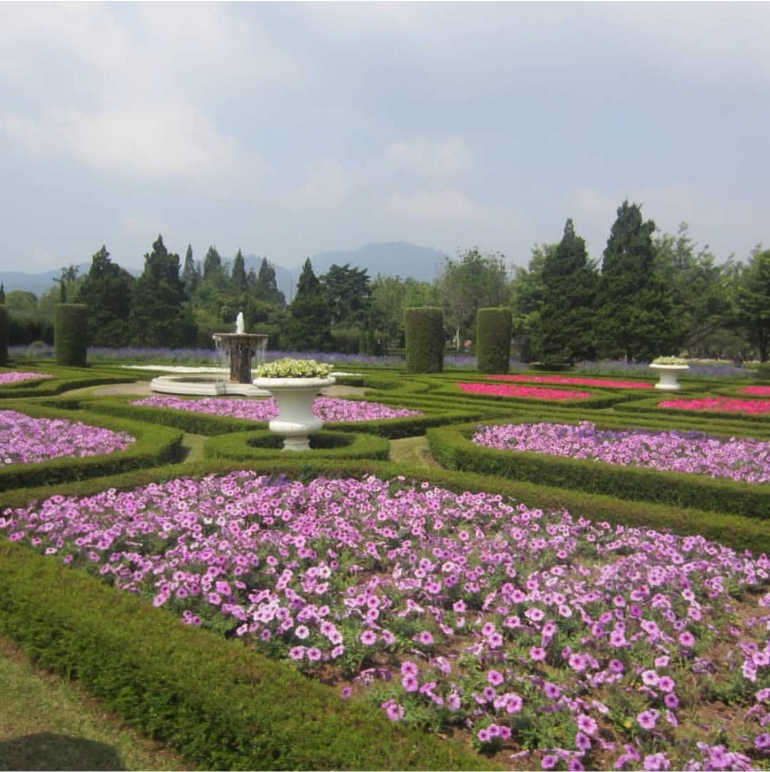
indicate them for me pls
(241, 348)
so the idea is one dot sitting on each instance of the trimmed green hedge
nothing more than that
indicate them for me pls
(220, 704)
(453, 448)
(71, 334)
(424, 331)
(152, 446)
(264, 444)
(493, 340)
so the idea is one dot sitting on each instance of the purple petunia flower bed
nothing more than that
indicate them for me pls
(16, 377)
(692, 452)
(26, 440)
(552, 641)
(325, 408)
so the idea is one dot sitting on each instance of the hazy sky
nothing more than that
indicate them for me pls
(287, 129)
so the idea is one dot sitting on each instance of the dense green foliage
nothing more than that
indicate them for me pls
(71, 334)
(493, 340)
(160, 314)
(424, 328)
(568, 310)
(106, 290)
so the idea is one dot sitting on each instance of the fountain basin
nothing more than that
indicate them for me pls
(204, 386)
(241, 347)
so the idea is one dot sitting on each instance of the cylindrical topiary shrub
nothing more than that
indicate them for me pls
(3, 336)
(424, 331)
(71, 334)
(763, 372)
(494, 328)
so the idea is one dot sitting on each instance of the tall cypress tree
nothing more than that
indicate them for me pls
(238, 279)
(635, 316)
(266, 286)
(160, 314)
(309, 325)
(567, 314)
(106, 290)
(191, 273)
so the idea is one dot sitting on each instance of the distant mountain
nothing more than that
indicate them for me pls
(395, 258)
(392, 258)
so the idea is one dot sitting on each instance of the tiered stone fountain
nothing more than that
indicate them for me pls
(240, 348)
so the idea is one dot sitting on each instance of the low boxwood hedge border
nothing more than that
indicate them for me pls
(220, 704)
(263, 444)
(152, 446)
(453, 448)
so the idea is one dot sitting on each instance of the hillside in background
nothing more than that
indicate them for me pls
(395, 258)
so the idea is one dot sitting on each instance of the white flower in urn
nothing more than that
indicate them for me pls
(294, 368)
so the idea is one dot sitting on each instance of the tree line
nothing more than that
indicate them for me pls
(650, 295)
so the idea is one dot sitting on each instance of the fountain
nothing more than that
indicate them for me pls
(240, 348)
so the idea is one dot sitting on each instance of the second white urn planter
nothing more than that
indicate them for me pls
(294, 398)
(668, 375)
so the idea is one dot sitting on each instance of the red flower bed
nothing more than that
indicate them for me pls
(529, 392)
(723, 404)
(577, 381)
(755, 391)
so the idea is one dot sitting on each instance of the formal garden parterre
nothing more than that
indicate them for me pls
(502, 611)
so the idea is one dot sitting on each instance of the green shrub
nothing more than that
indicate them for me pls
(71, 334)
(424, 329)
(763, 372)
(264, 444)
(493, 340)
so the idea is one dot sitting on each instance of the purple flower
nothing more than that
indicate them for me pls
(368, 638)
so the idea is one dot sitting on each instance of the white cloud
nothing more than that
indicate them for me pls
(142, 141)
(328, 183)
(445, 205)
(444, 157)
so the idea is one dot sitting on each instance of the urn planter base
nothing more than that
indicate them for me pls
(294, 398)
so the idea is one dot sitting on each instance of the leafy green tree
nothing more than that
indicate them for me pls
(635, 317)
(266, 287)
(703, 311)
(309, 325)
(160, 314)
(753, 302)
(390, 296)
(191, 274)
(21, 302)
(214, 272)
(106, 290)
(473, 281)
(567, 310)
(349, 294)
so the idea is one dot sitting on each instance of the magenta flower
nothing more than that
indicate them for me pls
(527, 392)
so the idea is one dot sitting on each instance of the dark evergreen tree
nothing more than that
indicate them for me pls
(2, 293)
(266, 286)
(309, 324)
(106, 291)
(214, 270)
(349, 294)
(567, 312)
(160, 315)
(238, 279)
(635, 317)
(191, 274)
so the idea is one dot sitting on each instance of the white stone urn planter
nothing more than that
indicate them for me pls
(294, 398)
(668, 375)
